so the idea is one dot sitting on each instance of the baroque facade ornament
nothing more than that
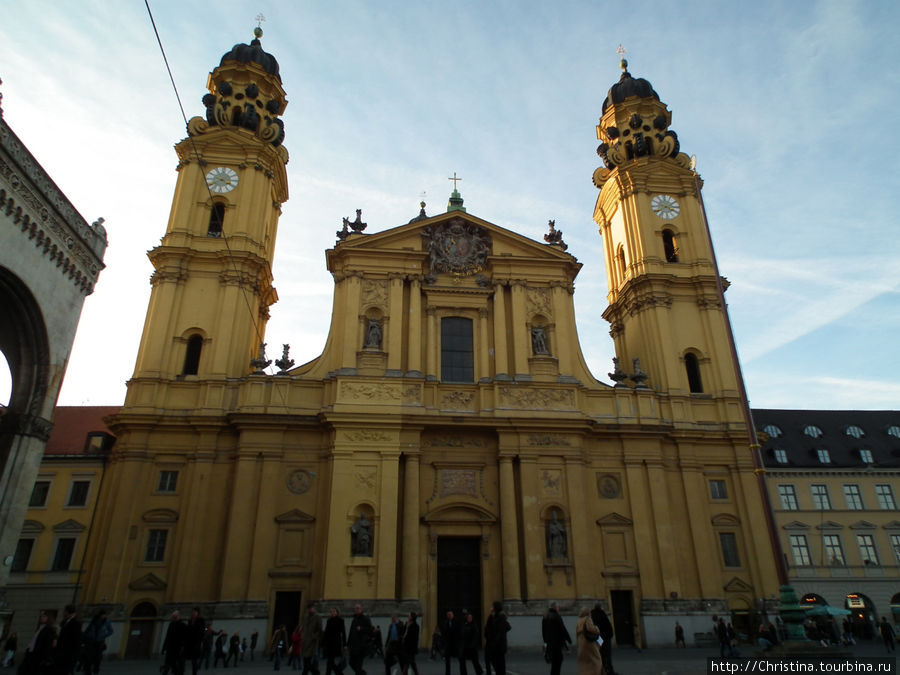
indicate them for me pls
(537, 301)
(379, 392)
(456, 247)
(532, 398)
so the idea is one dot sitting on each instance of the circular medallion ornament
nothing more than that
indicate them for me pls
(665, 206)
(608, 486)
(299, 481)
(222, 179)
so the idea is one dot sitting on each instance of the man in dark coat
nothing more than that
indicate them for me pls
(358, 639)
(887, 633)
(495, 629)
(450, 633)
(556, 637)
(94, 641)
(196, 631)
(174, 645)
(40, 648)
(333, 642)
(68, 644)
(604, 626)
(470, 641)
(410, 645)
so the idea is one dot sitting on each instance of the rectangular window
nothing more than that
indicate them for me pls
(788, 495)
(78, 493)
(156, 546)
(865, 456)
(781, 456)
(800, 549)
(457, 354)
(853, 497)
(62, 559)
(834, 552)
(717, 489)
(730, 556)
(22, 555)
(39, 493)
(895, 545)
(867, 549)
(885, 495)
(820, 499)
(824, 456)
(168, 480)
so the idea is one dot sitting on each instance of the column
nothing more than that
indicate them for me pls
(533, 533)
(521, 346)
(662, 520)
(509, 532)
(644, 536)
(501, 358)
(410, 551)
(483, 374)
(414, 356)
(431, 343)
(397, 324)
(703, 543)
(584, 542)
(563, 317)
(239, 527)
(352, 344)
(386, 525)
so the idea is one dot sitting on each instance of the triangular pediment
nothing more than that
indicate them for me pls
(411, 242)
(295, 516)
(830, 525)
(737, 585)
(615, 519)
(32, 527)
(69, 526)
(893, 525)
(148, 582)
(862, 525)
(795, 525)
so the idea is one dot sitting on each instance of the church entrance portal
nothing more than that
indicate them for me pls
(287, 610)
(623, 616)
(459, 576)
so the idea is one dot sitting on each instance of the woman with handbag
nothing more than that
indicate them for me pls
(586, 636)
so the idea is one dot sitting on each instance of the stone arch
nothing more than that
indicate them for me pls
(194, 340)
(692, 358)
(142, 620)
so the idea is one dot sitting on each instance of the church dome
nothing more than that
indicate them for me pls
(253, 53)
(626, 87)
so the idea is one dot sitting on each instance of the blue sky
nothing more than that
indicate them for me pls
(790, 109)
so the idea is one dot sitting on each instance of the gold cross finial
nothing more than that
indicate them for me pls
(623, 64)
(454, 179)
(262, 17)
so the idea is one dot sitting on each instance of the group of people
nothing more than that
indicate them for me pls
(63, 649)
(593, 635)
(196, 640)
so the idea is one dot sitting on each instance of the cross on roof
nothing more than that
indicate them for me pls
(454, 179)
(259, 19)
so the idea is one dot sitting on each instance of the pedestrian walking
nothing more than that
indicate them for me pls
(450, 629)
(68, 644)
(358, 639)
(334, 642)
(196, 632)
(234, 650)
(174, 646)
(278, 645)
(12, 643)
(94, 642)
(605, 628)
(586, 636)
(887, 634)
(679, 635)
(495, 629)
(470, 641)
(312, 641)
(410, 645)
(221, 641)
(556, 638)
(40, 649)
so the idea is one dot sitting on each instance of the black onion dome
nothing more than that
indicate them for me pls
(253, 53)
(626, 87)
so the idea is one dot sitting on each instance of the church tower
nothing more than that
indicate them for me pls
(665, 305)
(212, 284)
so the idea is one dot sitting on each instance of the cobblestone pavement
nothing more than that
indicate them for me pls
(626, 661)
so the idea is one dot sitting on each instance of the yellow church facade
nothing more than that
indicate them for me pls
(449, 447)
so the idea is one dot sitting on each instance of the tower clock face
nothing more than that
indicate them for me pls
(222, 179)
(665, 206)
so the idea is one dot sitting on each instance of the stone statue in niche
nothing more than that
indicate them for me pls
(557, 546)
(539, 341)
(373, 335)
(361, 537)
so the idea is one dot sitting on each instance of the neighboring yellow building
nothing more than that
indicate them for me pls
(47, 566)
(449, 447)
(834, 484)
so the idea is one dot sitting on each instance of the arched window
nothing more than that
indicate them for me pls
(692, 366)
(192, 355)
(669, 246)
(216, 220)
(457, 354)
